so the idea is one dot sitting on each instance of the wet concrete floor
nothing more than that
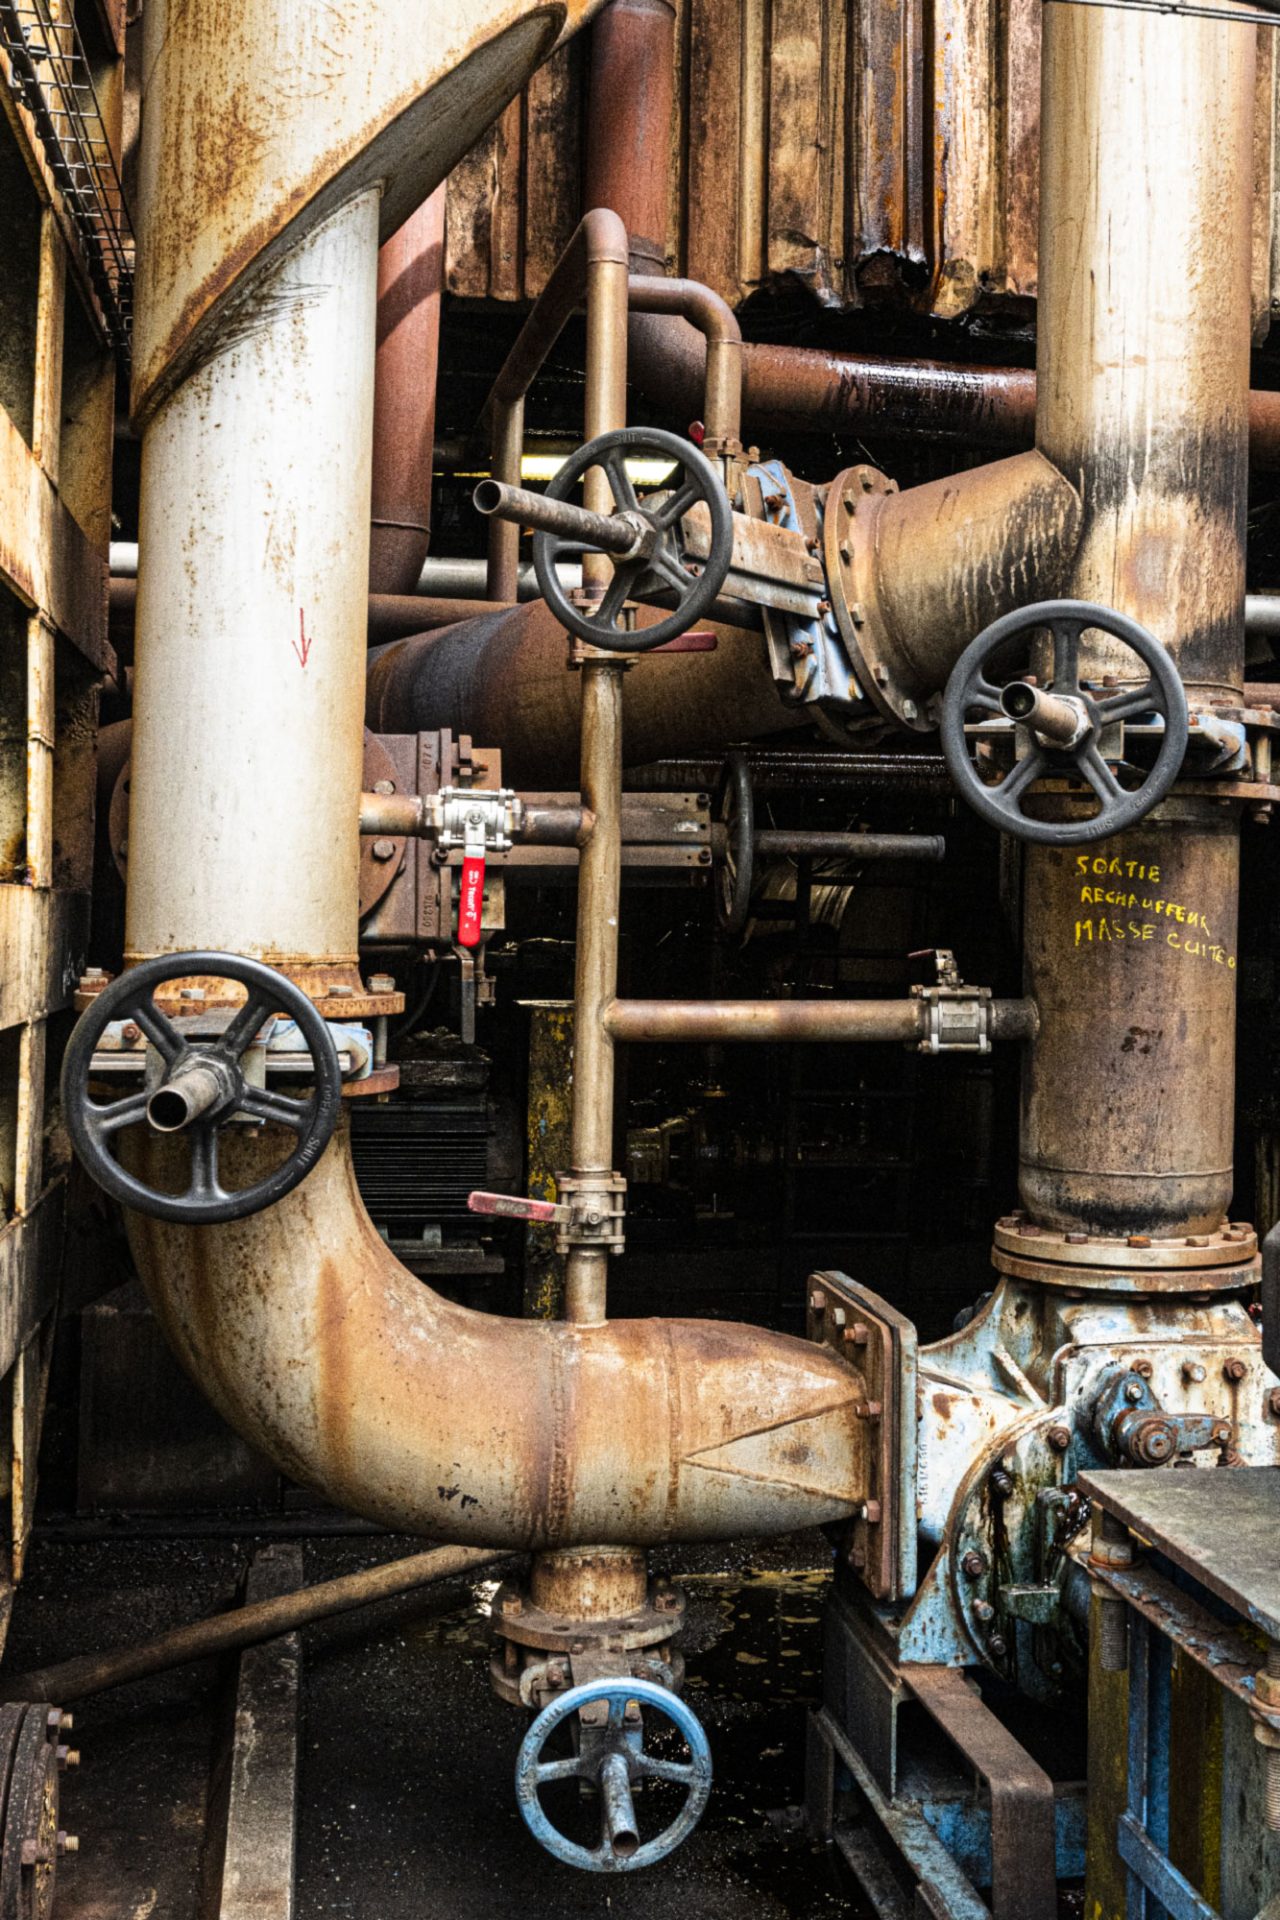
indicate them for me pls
(406, 1803)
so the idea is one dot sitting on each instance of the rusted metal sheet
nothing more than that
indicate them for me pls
(874, 154)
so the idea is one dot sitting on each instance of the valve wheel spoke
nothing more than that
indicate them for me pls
(615, 467)
(680, 1773)
(204, 1183)
(1126, 705)
(118, 1114)
(618, 592)
(1098, 774)
(1066, 655)
(158, 1027)
(674, 509)
(1027, 771)
(247, 1024)
(983, 697)
(663, 561)
(265, 1104)
(549, 1771)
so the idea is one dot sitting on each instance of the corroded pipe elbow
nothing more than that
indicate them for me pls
(353, 1377)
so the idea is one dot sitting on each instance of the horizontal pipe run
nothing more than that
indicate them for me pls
(405, 816)
(608, 532)
(247, 1626)
(858, 846)
(767, 1021)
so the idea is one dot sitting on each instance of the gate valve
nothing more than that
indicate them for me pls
(1063, 722)
(201, 1088)
(646, 546)
(611, 1757)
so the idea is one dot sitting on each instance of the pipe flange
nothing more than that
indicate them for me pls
(1233, 1244)
(853, 504)
(1145, 1281)
(535, 1650)
(516, 1618)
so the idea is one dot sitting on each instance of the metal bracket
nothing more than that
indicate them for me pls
(875, 1337)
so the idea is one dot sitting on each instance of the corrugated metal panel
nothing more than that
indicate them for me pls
(873, 150)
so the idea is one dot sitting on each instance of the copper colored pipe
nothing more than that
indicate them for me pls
(770, 1021)
(716, 321)
(246, 1626)
(410, 271)
(600, 241)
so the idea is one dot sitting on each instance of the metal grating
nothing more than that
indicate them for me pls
(50, 76)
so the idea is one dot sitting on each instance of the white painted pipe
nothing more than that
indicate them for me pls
(251, 621)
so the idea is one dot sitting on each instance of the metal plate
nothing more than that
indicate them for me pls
(1220, 1527)
(867, 1331)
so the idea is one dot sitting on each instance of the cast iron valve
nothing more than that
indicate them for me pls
(651, 560)
(201, 1087)
(611, 1757)
(1064, 722)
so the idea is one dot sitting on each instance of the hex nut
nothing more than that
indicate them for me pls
(1059, 1438)
(1234, 1369)
(1273, 1403)
(974, 1564)
(383, 849)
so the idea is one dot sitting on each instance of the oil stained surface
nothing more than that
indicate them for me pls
(447, 1838)
(406, 1801)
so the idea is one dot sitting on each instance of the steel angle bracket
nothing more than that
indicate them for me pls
(881, 1342)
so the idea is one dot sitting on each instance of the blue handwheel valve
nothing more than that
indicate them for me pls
(612, 1759)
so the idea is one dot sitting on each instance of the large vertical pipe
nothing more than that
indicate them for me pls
(252, 604)
(1143, 389)
(410, 273)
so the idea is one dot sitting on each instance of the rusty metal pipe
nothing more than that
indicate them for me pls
(856, 846)
(716, 321)
(599, 240)
(773, 1021)
(496, 500)
(1146, 173)
(247, 1626)
(322, 1350)
(502, 677)
(299, 1324)
(600, 862)
(410, 274)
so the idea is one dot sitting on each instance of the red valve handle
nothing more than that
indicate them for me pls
(509, 1206)
(471, 900)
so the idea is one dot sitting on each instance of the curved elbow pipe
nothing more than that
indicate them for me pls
(323, 1351)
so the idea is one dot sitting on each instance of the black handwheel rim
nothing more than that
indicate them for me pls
(736, 876)
(703, 483)
(130, 995)
(1163, 691)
